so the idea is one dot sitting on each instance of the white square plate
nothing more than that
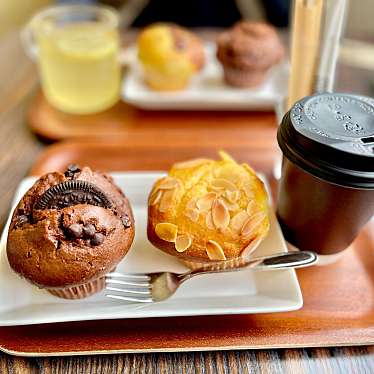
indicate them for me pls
(207, 90)
(232, 293)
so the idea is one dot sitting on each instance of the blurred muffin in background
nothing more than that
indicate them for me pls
(247, 51)
(170, 56)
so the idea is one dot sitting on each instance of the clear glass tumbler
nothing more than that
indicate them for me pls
(76, 48)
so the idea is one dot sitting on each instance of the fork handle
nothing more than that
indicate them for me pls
(277, 261)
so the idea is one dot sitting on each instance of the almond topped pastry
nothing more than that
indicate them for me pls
(207, 210)
(170, 56)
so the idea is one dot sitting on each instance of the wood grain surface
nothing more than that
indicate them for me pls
(18, 146)
(345, 360)
(18, 149)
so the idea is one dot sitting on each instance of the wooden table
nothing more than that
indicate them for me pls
(18, 150)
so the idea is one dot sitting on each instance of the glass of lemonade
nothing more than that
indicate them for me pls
(76, 47)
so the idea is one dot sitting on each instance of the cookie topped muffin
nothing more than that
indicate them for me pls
(207, 210)
(69, 230)
(170, 55)
(247, 51)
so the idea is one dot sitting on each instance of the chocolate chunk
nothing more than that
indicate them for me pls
(75, 231)
(71, 170)
(89, 230)
(72, 192)
(126, 221)
(97, 239)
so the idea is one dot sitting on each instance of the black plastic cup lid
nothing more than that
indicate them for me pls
(331, 136)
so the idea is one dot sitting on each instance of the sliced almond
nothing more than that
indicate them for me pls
(215, 251)
(191, 204)
(197, 175)
(228, 172)
(251, 207)
(232, 196)
(252, 224)
(230, 206)
(251, 247)
(192, 214)
(167, 231)
(155, 197)
(238, 221)
(248, 169)
(226, 157)
(209, 221)
(220, 214)
(168, 183)
(248, 191)
(205, 203)
(192, 163)
(222, 184)
(166, 200)
(182, 243)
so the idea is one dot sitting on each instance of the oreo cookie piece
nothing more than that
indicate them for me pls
(72, 192)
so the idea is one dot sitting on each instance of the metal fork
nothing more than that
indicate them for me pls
(153, 287)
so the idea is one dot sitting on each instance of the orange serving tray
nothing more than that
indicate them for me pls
(51, 124)
(338, 299)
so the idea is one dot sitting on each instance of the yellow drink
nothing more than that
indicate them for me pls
(78, 65)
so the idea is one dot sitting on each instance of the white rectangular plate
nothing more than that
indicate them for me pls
(207, 90)
(232, 293)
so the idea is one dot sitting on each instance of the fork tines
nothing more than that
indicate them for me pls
(129, 287)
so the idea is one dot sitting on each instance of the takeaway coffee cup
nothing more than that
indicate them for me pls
(326, 192)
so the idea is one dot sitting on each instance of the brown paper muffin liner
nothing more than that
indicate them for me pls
(79, 292)
(219, 266)
(243, 78)
(228, 264)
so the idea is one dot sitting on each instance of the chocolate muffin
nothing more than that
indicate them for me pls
(247, 51)
(69, 230)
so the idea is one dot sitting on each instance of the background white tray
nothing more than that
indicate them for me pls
(232, 293)
(207, 90)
